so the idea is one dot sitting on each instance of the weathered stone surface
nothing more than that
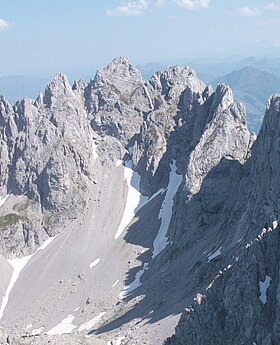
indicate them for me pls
(233, 309)
(47, 155)
(229, 190)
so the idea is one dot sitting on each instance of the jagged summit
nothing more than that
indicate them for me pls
(121, 75)
(136, 185)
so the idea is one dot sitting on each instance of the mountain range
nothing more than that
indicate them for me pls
(252, 87)
(138, 212)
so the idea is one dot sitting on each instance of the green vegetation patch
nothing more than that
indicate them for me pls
(22, 206)
(9, 220)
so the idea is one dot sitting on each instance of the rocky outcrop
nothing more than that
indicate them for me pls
(46, 155)
(223, 234)
(117, 99)
(48, 145)
(240, 305)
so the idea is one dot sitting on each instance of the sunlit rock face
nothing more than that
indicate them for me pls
(162, 203)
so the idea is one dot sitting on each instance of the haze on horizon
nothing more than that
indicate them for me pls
(41, 38)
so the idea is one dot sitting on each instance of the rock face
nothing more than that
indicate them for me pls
(59, 158)
(240, 305)
(48, 146)
(47, 156)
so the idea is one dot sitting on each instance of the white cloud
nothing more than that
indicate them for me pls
(272, 6)
(138, 7)
(4, 25)
(247, 11)
(192, 4)
(131, 8)
(160, 3)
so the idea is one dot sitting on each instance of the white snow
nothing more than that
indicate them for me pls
(28, 326)
(94, 263)
(119, 340)
(65, 326)
(214, 255)
(91, 323)
(165, 213)
(263, 289)
(94, 153)
(254, 343)
(45, 244)
(132, 201)
(2, 201)
(115, 284)
(76, 309)
(135, 284)
(18, 264)
(37, 331)
(274, 224)
(118, 162)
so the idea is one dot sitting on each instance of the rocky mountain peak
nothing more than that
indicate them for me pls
(270, 129)
(121, 75)
(62, 160)
(57, 90)
(273, 103)
(173, 81)
(223, 98)
(5, 108)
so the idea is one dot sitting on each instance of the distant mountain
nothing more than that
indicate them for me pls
(15, 87)
(206, 70)
(252, 87)
(271, 65)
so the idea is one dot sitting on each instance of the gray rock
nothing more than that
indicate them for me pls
(234, 308)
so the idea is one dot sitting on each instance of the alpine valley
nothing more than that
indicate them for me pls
(138, 212)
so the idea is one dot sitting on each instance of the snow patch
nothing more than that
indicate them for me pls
(76, 309)
(94, 153)
(37, 331)
(135, 284)
(115, 284)
(65, 326)
(45, 244)
(18, 264)
(118, 162)
(214, 255)
(2, 200)
(263, 289)
(91, 323)
(29, 326)
(165, 213)
(132, 201)
(119, 340)
(94, 263)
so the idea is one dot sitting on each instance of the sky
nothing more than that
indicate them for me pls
(43, 37)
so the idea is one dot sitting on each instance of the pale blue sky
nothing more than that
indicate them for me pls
(41, 37)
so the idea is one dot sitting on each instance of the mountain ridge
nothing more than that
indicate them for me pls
(143, 184)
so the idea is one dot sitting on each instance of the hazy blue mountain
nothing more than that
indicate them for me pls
(252, 87)
(271, 65)
(15, 87)
(206, 70)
